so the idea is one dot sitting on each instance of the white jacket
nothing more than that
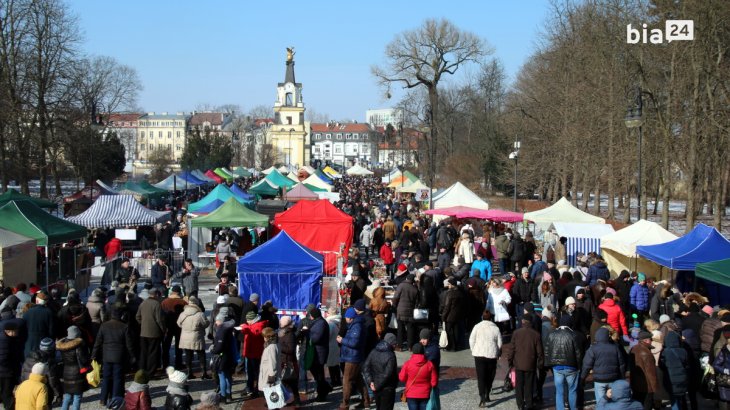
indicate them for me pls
(465, 249)
(485, 340)
(495, 297)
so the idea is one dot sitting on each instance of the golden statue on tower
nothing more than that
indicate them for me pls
(290, 53)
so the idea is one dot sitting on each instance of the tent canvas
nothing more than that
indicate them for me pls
(223, 175)
(237, 191)
(393, 174)
(323, 176)
(717, 280)
(331, 172)
(400, 181)
(172, 182)
(115, 211)
(294, 177)
(269, 170)
(17, 257)
(242, 172)
(702, 244)
(13, 195)
(264, 188)
(319, 226)
(213, 176)
(317, 182)
(231, 214)
(329, 196)
(357, 170)
(142, 188)
(459, 195)
(202, 176)
(150, 188)
(497, 215)
(221, 193)
(300, 192)
(314, 188)
(280, 180)
(208, 208)
(284, 271)
(619, 248)
(90, 191)
(561, 211)
(582, 237)
(192, 179)
(412, 188)
(24, 218)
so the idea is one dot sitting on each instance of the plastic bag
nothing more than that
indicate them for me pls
(94, 376)
(434, 401)
(443, 338)
(275, 396)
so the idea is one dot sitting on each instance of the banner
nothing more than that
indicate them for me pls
(423, 195)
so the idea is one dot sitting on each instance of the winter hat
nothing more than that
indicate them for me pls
(707, 309)
(663, 319)
(641, 277)
(39, 368)
(284, 321)
(310, 307)
(41, 295)
(251, 315)
(359, 305)
(417, 349)
(73, 332)
(47, 344)
(176, 376)
(525, 270)
(547, 313)
(566, 320)
(390, 339)
(254, 297)
(611, 291)
(177, 289)
(425, 334)
(141, 377)
(221, 300)
(546, 277)
(644, 335)
(569, 301)
(209, 398)
(350, 313)
(402, 268)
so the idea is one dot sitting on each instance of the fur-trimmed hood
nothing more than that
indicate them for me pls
(694, 297)
(68, 344)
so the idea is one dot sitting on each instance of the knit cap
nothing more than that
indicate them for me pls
(39, 368)
(141, 377)
(176, 376)
(350, 313)
(641, 277)
(251, 315)
(663, 319)
(707, 309)
(254, 297)
(47, 344)
(284, 321)
(209, 398)
(73, 332)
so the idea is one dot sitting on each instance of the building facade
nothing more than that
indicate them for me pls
(161, 132)
(344, 144)
(125, 128)
(384, 116)
(400, 148)
(216, 122)
(289, 134)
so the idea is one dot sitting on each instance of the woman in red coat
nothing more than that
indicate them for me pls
(386, 254)
(419, 376)
(253, 349)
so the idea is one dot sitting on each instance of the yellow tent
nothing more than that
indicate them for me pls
(399, 182)
(331, 172)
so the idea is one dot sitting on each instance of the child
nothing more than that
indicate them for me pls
(178, 397)
(137, 396)
(222, 287)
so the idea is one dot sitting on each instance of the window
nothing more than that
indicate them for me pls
(177, 147)
(339, 136)
(160, 146)
(328, 136)
(169, 147)
(152, 147)
(159, 134)
(318, 135)
(348, 136)
(316, 150)
(142, 134)
(288, 120)
(365, 136)
(338, 149)
(355, 136)
(178, 134)
(365, 149)
(169, 134)
(141, 147)
(289, 100)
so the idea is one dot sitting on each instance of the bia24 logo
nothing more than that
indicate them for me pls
(673, 30)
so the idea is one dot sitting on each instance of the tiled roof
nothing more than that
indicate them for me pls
(117, 118)
(214, 118)
(260, 121)
(412, 143)
(341, 127)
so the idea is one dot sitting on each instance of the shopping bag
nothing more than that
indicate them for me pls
(434, 401)
(443, 338)
(94, 376)
(275, 397)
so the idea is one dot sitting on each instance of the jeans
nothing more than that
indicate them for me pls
(384, 398)
(504, 266)
(600, 390)
(678, 403)
(112, 380)
(225, 383)
(486, 369)
(71, 401)
(566, 378)
(417, 404)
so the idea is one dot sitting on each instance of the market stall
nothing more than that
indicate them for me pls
(619, 248)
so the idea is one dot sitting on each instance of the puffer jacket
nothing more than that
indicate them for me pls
(707, 333)
(73, 353)
(386, 254)
(597, 271)
(319, 334)
(562, 349)
(604, 358)
(32, 394)
(674, 364)
(97, 309)
(193, 324)
(379, 307)
(485, 340)
(365, 236)
(621, 397)
(178, 397)
(253, 341)
(287, 346)
(381, 368)
(114, 342)
(616, 318)
(52, 378)
(524, 291)
(224, 344)
(502, 245)
(419, 377)
(353, 344)
(137, 397)
(639, 297)
(720, 364)
(404, 300)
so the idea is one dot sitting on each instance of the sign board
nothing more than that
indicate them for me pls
(423, 195)
(126, 234)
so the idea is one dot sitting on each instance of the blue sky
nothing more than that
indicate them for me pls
(189, 53)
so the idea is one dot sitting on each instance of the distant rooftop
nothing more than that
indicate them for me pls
(163, 116)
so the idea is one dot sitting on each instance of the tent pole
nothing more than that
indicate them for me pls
(47, 266)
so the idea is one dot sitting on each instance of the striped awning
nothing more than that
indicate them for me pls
(115, 211)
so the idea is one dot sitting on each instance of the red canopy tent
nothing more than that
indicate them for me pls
(461, 212)
(319, 226)
(212, 175)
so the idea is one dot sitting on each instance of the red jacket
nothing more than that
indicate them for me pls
(386, 254)
(137, 400)
(112, 248)
(616, 318)
(253, 342)
(419, 376)
(508, 284)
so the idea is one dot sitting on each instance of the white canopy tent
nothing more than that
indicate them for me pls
(619, 248)
(582, 237)
(269, 170)
(393, 174)
(17, 257)
(561, 211)
(357, 170)
(459, 195)
(316, 181)
(412, 188)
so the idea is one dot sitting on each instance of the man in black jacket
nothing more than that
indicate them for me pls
(524, 291)
(380, 372)
(319, 335)
(563, 353)
(114, 346)
(607, 361)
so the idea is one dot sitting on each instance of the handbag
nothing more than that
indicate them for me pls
(275, 396)
(420, 314)
(287, 373)
(508, 385)
(722, 379)
(443, 338)
(215, 362)
(403, 397)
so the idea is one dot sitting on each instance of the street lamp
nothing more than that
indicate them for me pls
(513, 155)
(634, 119)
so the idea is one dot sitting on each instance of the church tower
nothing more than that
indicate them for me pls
(289, 131)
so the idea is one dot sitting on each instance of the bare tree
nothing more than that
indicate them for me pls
(104, 86)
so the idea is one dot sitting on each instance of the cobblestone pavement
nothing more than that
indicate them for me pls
(457, 382)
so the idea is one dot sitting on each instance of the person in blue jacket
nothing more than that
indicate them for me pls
(597, 270)
(620, 399)
(639, 297)
(352, 354)
(484, 266)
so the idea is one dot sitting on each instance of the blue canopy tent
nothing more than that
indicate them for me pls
(192, 179)
(241, 193)
(221, 193)
(702, 244)
(283, 271)
(210, 207)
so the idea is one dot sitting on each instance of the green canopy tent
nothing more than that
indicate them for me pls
(230, 214)
(280, 180)
(242, 172)
(25, 218)
(315, 188)
(264, 188)
(716, 271)
(13, 195)
(221, 193)
(142, 188)
(410, 176)
(221, 173)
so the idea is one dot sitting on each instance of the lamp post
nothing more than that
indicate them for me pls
(634, 119)
(514, 155)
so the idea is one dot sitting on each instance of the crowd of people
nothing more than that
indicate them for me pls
(413, 285)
